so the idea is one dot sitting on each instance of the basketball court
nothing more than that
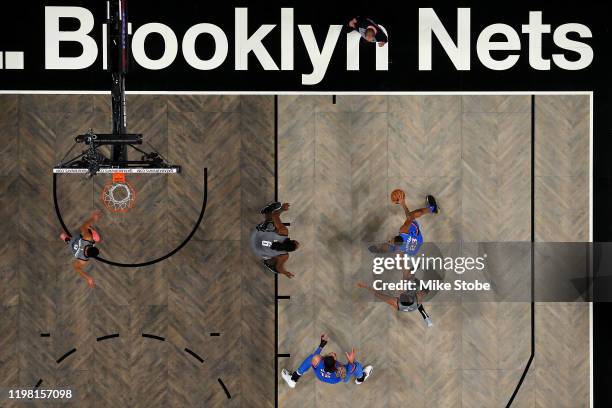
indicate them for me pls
(473, 153)
(210, 297)
(201, 329)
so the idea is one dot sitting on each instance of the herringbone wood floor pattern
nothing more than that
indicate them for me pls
(473, 153)
(338, 164)
(212, 285)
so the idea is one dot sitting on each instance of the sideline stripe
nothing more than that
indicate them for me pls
(518, 386)
(275, 275)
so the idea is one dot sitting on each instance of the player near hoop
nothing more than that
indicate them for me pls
(410, 237)
(270, 240)
(83, 246)
(328, 369)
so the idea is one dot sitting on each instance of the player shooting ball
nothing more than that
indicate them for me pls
(410, 237)
(83, 246)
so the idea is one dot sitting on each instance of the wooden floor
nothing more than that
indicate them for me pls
(337, 165)
(212, 285)
(474, 154)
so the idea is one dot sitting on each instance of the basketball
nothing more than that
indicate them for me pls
(397, 195)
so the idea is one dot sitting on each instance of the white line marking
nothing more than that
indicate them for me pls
(64, 92)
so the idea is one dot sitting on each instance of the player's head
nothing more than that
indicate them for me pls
(406, 300)
(370, 34)
(329, 363)
(288, 245)
(91, 251)
(398, 240)
(291, 245)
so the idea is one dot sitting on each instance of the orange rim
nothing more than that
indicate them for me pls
(119, 178)
(108, 198)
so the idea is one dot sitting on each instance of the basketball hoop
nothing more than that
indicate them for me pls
(118, 195)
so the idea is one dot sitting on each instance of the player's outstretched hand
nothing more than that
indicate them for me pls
(90, 282)
(285, 206)
(351, 356)
(96, 215)
(289, 274)
(324, 340)
(361, 285)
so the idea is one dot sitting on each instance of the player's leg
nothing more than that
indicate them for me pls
(292, 378)
(79, 266)
(431, 207)
(270, 264)
(270, 208)
(425, 316)
(419, 213)
(383, 248)
(432, 204)
(362, 373)
(267, 210)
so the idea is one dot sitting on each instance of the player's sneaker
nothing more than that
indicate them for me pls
(271, 207)
(65, 237)
(287, 377)
(377, 249)
(269, 266)
(428, 321)
(432, 205)
(366, 371)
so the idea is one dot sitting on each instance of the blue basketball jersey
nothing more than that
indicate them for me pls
(330, 378)
(412, 240)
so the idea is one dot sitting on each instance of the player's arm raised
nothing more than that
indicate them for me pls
(93, 218)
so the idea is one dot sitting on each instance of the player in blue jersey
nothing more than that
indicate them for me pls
(328, 369)
(410, 237)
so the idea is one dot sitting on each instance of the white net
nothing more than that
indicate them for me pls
(118, 196)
